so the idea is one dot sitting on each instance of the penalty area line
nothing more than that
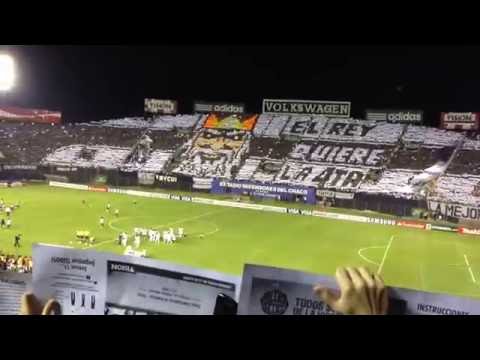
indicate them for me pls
(385, 255)
(469, 269)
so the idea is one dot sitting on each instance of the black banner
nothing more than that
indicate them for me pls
(15, 172)
(173, 181)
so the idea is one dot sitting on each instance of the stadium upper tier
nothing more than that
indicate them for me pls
(333, 154)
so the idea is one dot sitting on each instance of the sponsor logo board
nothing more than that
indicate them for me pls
(411, 224)
(205, 107)
(160, 107)
(307, 107)
(444, 228)
(467, 231)
(459, 120)
(381, 221)
(395, 116)
(98, 189)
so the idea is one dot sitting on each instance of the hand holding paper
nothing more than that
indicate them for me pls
(361, 293)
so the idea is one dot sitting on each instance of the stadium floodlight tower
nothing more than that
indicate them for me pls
(7, 74)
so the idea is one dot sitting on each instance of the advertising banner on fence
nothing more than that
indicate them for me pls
(30, 115)
(463, 230)
(307, 107)
(459, 120)
(278, 192)
(204, 107)
(411, 224)
(395, 116)
(160, 107)
(173, 181)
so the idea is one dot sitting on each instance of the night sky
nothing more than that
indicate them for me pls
(97, 82)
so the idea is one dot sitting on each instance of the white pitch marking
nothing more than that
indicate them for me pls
(187, 219)
(172, 223)
(367, 259)
(385, 256)
(469, 269)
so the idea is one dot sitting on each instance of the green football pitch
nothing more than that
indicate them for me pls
(223, 238)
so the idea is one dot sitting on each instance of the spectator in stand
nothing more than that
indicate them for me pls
(22, 264)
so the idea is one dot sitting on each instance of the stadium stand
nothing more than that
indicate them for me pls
(88, 156)
(457, 189)
(342, 154)
(164, 123)
(270, 148)
(430, 137)
(392, 182)
(213, 153)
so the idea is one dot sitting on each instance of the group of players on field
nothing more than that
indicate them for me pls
(168, 236)
(6, 223)
(139, 234)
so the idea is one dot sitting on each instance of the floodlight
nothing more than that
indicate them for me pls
(7, 72)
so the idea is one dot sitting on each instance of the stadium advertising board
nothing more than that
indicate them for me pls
(381, 221)
(18, 167)
(30, 115)
(204, 107)
(335, 194)
(325, 193)
(411, 224)
(444, 228)
(180, 197)
(173, 181)
(280, 192)
(462, 212)
(160, 107)
(299, 212)
(231, 121)
(307, 107)
(395, 116)
(98, 188)
(459, 120)
(467, 231)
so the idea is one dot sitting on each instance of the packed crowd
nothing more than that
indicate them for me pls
(300, 150)
(15, 263)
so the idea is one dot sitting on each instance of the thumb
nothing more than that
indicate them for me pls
(326, 295)
(52, 307)
(28, 304)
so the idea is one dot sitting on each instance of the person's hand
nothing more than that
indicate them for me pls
(361, 293)
(31, 306)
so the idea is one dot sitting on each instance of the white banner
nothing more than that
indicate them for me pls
(455, 211)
